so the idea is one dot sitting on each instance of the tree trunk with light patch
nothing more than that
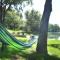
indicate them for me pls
(42, 40)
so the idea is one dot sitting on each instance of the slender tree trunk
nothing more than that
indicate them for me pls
(3, 47)
(42, 40)
(4, 12)
(1, 21)
(1, 11)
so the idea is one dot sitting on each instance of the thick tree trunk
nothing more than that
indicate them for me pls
(42, 40)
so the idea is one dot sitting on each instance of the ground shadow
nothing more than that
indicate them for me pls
(50, 57)
(11, 53)
(55, 45)
(37, 56)
(17, 54)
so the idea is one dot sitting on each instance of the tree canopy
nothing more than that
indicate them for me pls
(53, 28)
(13, 20)
(15, 3)
(33, 20)
(11, 4)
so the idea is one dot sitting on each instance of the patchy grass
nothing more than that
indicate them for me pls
(54, 41)
(14, 30)
(24, 39)
(54, 48)
(30, 53)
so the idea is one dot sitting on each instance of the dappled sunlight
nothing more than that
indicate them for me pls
(54, 51)
(29, 30)
(54, 48)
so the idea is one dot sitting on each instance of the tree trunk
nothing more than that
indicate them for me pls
(1, 11)
(4, 12)
(3, 46)
(42, 40)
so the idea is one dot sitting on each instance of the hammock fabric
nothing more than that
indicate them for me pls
(9, 39)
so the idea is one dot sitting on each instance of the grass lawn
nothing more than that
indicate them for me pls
(14, 31)
(24, 39)
(54, 48)
(30, 53)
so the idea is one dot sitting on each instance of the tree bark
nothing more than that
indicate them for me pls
(42, 40)
(4, 13)
(3, 46)
(1, 11)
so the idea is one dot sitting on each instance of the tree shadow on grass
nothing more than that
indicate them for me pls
(10, 53)
(38, 56)
(17, 54)
(50, 57)
(55, 45)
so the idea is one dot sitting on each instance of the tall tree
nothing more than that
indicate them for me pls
(53, 28)
(12, 20)
(7, 5)
(42, 40)
(33, 21)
